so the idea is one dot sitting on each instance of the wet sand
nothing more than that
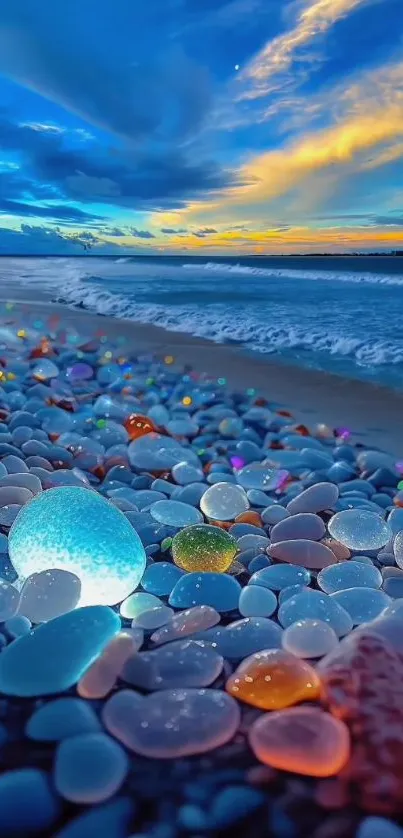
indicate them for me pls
(372, 412)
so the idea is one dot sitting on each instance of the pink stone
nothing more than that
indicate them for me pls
(312, 554)
(101, 677)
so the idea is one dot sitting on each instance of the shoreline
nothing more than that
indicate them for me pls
(372, 412)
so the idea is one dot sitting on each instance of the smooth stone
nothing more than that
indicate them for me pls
(111, 820)
(172, 723)
(303, 740)
(291, 590)
(18, 626)
(257, 498)
(316, 498)
(217, 590)
(153, 619)
(312, 554)
(101, 676)
(224, 501)
(310, 638)
(160, 578)
(15, 465)
(257, 601)
(8, 514)
(9, 600)
(53, 657)
(174, 513)
(257, 563)
(154, 452)
(76, 529)
(186, 623)
(253, 541)
(185, 473)
(10, 495)
(398, 549)
(393, 587)
(318, 606)
(305, 525)
(279, 576)
(272, 515)
(203, 548)
(61, 718)
(258, 476)
(273, 679)
(352, 574)
(233, 804)
(376, 827)
(395, 520)
(181, 663)
(49, 594)
(363, 604)
(247, 636)
(28, 805)
(25, 481)
(89, 768)
(136, 603)
(360, 529)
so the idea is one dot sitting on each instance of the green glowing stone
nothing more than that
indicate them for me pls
(203, 548)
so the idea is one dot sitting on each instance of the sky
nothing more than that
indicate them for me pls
(201, 126)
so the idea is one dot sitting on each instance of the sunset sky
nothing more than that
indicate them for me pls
(205, 126)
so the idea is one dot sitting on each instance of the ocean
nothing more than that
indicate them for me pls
(337, 314)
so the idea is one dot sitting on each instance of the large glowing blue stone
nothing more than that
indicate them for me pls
(75, 529)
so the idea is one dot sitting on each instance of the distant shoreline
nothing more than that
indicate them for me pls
(206, 257)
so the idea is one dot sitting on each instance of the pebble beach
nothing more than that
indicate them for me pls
(201, 588)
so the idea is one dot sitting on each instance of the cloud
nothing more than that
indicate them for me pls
(169, 231)
(279, 54)
(206, 231)
(141, 234)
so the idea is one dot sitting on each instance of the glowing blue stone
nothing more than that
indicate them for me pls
(75, 529)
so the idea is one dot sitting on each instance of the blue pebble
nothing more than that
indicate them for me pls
(108, 821)
(27, 803)
(256, 601)
(233, 804)
(257, 498)
(62, 718)
(247, 636)
(160, 578)
(291, 590)
(258, 563)
(217, 590)
(279, 576)
(52, 658)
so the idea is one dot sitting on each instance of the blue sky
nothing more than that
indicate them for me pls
(205, 126)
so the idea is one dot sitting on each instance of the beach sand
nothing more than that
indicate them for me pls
(373, 413)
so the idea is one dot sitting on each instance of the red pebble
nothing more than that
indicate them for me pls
(138, 425)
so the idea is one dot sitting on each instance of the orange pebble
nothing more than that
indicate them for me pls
(273, 679)
(249, 518)
(138, 425)
(100, 678)
(304, 740)
(340, 550)
(302, 430)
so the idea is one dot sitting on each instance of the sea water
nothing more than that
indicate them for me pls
(337, 314)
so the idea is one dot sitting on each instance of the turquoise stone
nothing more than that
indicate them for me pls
(279, 576)
(318, 606)
(62, 718)
(76, 529)
(256, 601)
(215, 589)
(363, 604)
(53, 657)
(351, 574)
(360, 529)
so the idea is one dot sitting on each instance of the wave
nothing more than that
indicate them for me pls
(295, 273)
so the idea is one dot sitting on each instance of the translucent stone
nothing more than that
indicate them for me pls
(306, 525)
(9, 600)
(136, 603)
(247, 636)
(79, 372)
(172, 723)
(60, 719)
(173, 513)
(101, 676)
(218, 590)
(45, 369)
(259, 476)
(317, 498)
(317, 606)
(204, 548)
(394, 609)
(49, 594)
(363, 604)
(53, 658)
(256, 601)
(304, 740)
(153, 619)
(272, 515)
(273, 679)
(253, 541)
(185, 473)
(138, 425)
(279, 576)
(398, 549)
(186, 623)
(224, 501)
(310, 638)
(311, 554)
(76, 529)
(359, 529)
(182, 427)
(89, 768)
(351, 574)
(18, 626)
(154, 452)
(182, 663)
(160, 578)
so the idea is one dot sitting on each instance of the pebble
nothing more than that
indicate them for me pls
(316, 605)
(106, 554)
(174, 513)
(305, 525)
(89, 768)
(186, 623)
(28, 805)
(101, 676)
(9, 600)
(257, 601)
(204, 548)
(353, 574)
(136, 603)
(214, 589)
(181, 663)
(359, 529)
(374, 827)
(281, 576)
(62, 718)
(49, 594)
(310, 554)
(172, 723)
(224, 501)
(304, 740)
(314, 499)
(274, 679)
(18, 626)
(309, 638)
(161, 578)
(245, 637)
(110, 819)
(54, 656)
(363, 604)
(153, 619)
